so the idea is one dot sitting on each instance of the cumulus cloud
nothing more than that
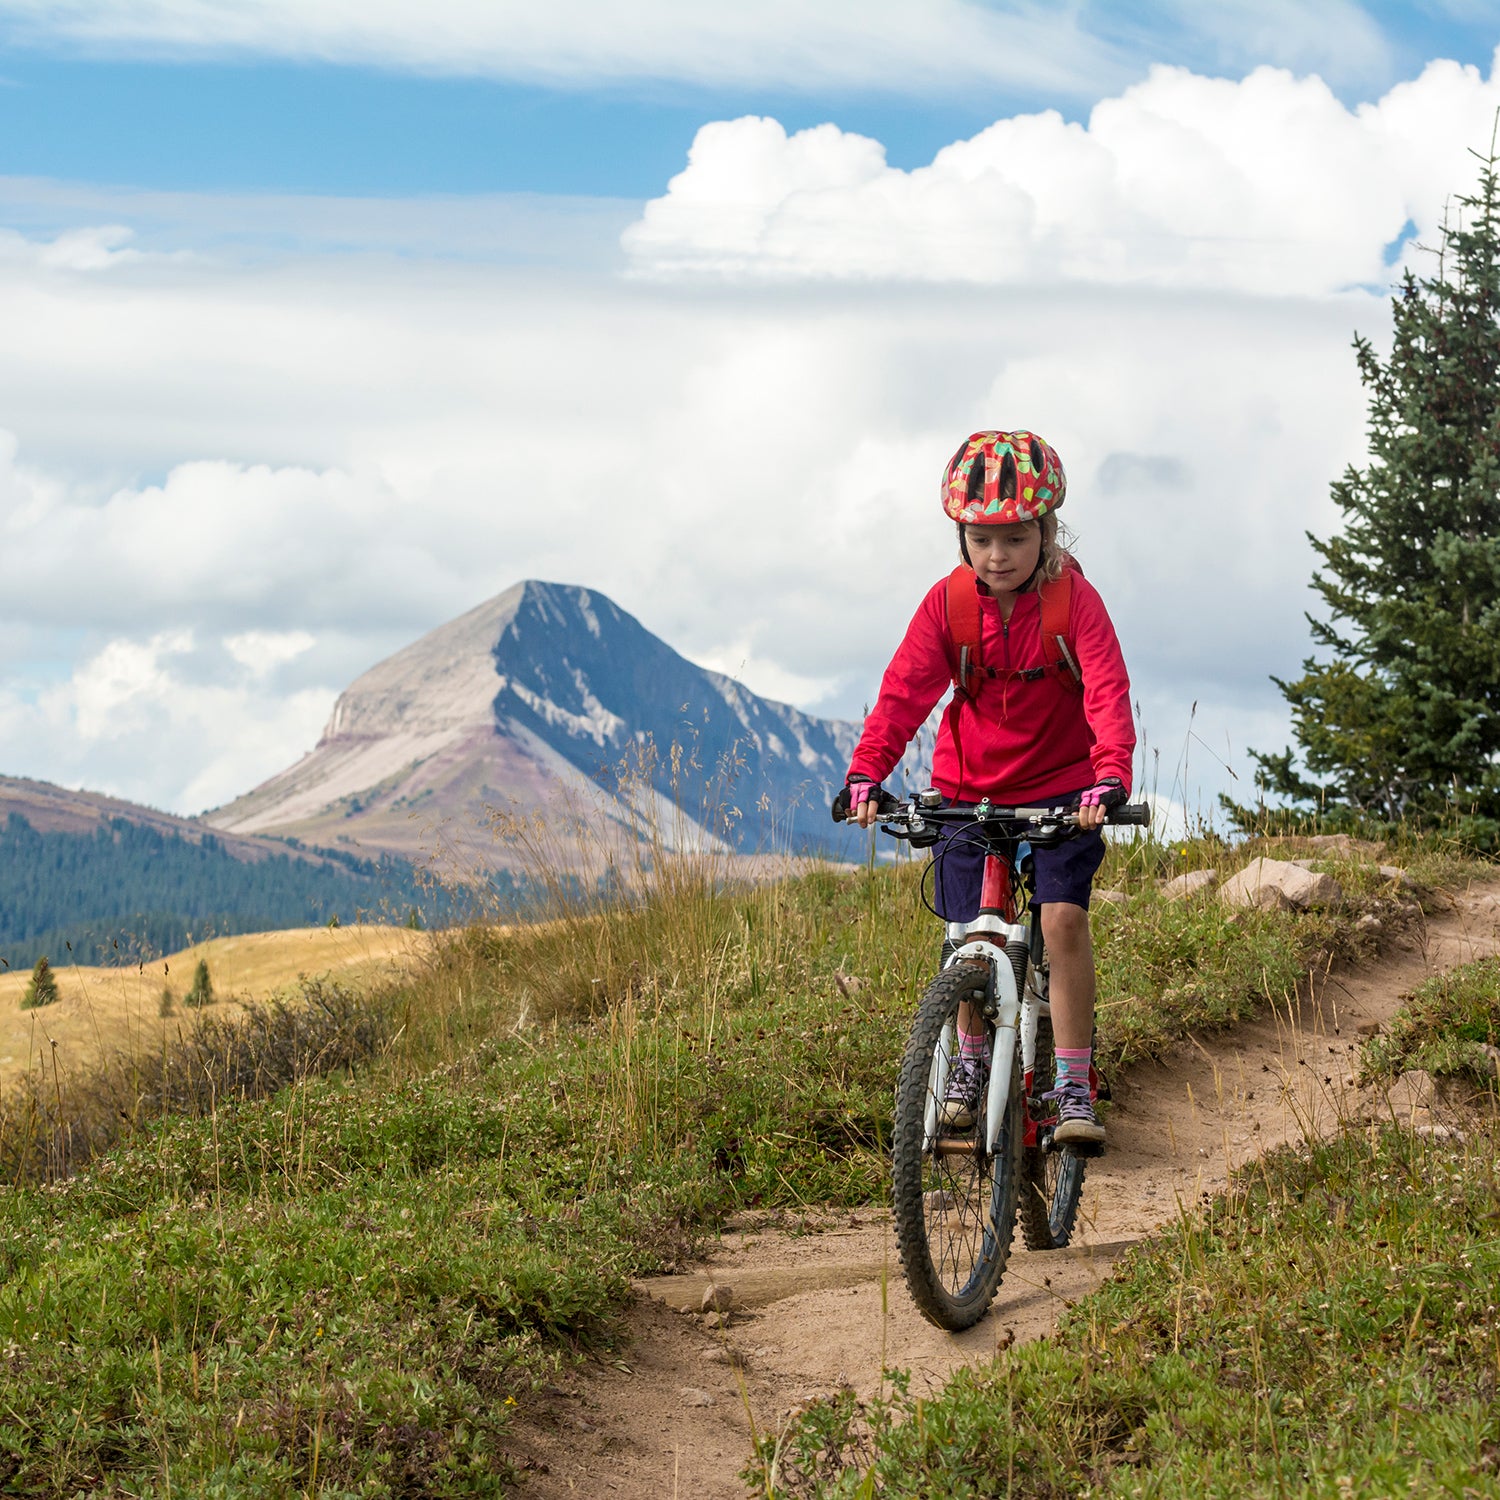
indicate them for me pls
(754, 477)
(136, 716)
(1268, 185)
(235, 487)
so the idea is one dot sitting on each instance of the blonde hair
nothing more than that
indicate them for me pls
(1057, 541)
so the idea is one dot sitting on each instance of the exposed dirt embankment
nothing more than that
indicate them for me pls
(817, 1309)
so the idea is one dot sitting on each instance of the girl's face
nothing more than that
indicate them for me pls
(1004, 557)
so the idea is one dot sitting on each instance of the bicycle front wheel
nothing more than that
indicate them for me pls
(954, 1203)
(1052, 1180)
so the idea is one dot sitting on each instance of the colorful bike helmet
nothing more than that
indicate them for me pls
(975, 480)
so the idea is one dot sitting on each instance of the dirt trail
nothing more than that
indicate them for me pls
(817, 1310)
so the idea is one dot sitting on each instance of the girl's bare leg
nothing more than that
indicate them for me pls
(1070, 951)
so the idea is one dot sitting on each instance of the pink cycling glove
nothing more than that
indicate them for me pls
(861, 792)
(1108, 793)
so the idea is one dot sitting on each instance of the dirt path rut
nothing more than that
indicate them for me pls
(817, 1310)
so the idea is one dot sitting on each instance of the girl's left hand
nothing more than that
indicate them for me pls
(1094, 804)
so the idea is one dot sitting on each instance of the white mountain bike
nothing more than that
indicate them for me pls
(955, 1192)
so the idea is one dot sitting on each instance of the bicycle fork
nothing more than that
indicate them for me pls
(986, 939)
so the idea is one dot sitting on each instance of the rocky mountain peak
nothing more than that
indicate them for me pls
(534, 698)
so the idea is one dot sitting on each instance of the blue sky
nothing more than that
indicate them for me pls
(308, 304)
(153, 114)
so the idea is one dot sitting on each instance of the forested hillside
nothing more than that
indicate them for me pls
(126, 892)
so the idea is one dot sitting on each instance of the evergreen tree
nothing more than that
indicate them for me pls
(1400, 720)
(201, 991)
(42, 989)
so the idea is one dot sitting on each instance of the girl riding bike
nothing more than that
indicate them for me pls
(1040, 714)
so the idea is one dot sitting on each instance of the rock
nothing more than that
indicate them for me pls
(692, 1395)
(1493, 1053)
(1396, 873)
(849, 984)
(1408, 1100)
(1369, 922)
(1190, 884)
(722, 1354)
(716, 1320)
(1342, 843)
(1273, 883)
(1440, 1133)
(717, 1299)
(1111, 898)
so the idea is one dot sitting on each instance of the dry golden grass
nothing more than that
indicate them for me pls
(104, 1012)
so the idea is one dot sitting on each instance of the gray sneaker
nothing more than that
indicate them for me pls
(961, 1098)
(1076, 1125)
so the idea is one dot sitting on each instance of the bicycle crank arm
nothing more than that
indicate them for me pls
(951, 1145)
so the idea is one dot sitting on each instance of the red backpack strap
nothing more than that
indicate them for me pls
(967, 662)
(1056, 595)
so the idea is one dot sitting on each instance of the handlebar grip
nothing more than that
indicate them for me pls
(884, 803)
(1138, 813)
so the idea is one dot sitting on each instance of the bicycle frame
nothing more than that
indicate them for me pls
(987, 938)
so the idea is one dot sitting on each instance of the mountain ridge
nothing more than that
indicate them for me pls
(550, 696)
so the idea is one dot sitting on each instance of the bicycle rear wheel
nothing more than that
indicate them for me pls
(954, 1205)
(1051, 1180)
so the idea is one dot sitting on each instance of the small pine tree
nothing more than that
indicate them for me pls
(201, 991)
(1401, 720)
(168, 1002)
(42, 990)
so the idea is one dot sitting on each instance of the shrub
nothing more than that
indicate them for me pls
(201, 991)
(42, 990)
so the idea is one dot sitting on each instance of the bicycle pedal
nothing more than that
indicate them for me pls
(1090, 1151)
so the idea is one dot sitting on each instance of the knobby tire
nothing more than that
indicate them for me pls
(955, 1213)
(1051, 1181)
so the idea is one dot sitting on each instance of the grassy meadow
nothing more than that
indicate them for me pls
(104, 1014)
(336, 1244)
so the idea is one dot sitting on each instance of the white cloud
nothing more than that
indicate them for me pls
(93, 248)
(233, 487)
(1269, 185)
(1030, 46)
(836, 43)
(262, 651)
(754, 477)
(1334, 38)
(115, 693)
(136, 718)
(520, 227)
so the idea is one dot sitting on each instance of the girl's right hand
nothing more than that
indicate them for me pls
(864, 802)
(859, 802)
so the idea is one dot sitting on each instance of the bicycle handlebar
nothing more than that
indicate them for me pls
(902, 819)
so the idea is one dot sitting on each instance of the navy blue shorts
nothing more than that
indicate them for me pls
(1065, 873)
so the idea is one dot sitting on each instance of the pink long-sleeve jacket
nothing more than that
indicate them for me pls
(1019, 741)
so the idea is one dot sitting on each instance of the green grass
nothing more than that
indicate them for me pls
(1328, 1328)
(284, 1282)
(1444, 1028)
